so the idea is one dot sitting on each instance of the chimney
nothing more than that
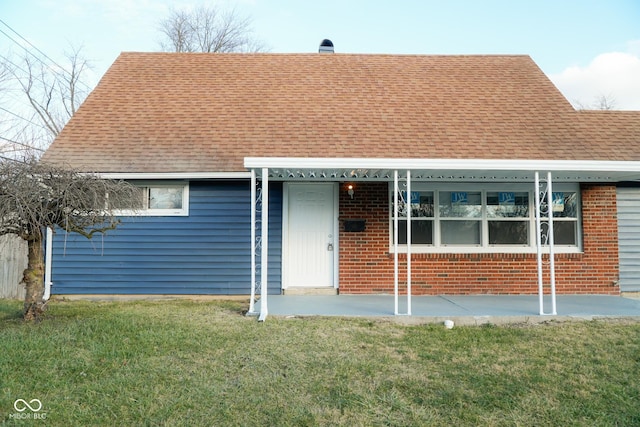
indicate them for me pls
(326, 46)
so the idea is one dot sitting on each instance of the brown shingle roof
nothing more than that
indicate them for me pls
(611, 135)
(169, 112)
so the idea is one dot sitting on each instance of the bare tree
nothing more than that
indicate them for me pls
(51, 94)
(35, 196)
(208, 30)
(605, 102)
(54, 95)
(601, 102)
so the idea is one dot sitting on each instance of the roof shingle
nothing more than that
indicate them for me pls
(170, 112)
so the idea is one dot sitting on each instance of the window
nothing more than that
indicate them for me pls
(484, 218)
(508, 218)
(421, 218)
(160, 199)
(565, 218)
(460, 217)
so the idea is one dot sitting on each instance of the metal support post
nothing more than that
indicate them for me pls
(408, 204)
(546, 196)
(264, 256)
(395, 242)
(252, 311)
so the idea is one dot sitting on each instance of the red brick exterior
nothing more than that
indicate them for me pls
(366, 265)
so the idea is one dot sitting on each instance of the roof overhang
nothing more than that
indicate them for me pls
(449, 170)
(175, 175)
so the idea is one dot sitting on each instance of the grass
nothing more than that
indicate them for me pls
(180, 363)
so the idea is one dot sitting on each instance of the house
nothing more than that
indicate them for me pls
(316, 158)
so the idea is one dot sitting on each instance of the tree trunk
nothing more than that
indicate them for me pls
(34, 281)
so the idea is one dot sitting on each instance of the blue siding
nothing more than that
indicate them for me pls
(206, 253)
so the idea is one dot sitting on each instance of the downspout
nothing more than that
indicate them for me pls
(48, 257)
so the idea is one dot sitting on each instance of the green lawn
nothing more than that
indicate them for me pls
(186, 363)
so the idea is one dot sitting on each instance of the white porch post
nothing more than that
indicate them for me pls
(253, 243)
(395, 242)
(264, 253)
(550, 242)
(552, 261)
(408, 204)
(539, 244)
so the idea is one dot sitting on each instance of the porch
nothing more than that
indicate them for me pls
(537, 233)
(462, 309)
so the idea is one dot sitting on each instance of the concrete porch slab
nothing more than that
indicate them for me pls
(472, 309)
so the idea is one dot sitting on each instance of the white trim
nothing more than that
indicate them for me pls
(175, 175)
(528, 166)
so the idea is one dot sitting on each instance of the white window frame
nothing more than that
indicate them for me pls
(484, 246)
(146, 211)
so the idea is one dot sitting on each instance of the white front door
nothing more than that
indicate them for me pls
(310, 235)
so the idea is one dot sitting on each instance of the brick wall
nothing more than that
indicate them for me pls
(366, 266)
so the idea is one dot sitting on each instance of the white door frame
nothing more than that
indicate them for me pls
(285, 231)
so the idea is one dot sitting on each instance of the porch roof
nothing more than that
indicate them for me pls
(442, 170)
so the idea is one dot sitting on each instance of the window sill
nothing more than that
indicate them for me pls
(520, 250)
(153, 212)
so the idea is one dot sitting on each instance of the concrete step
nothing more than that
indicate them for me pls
(309, 291)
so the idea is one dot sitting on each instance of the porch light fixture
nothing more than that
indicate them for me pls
(350, 190)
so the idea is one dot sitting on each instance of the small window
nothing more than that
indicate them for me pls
(508, 232)
(421, 232)
(160, 200)
(465, 232)
(508, 217)
(422, 212)
(165, 197)
(459, 210)
(460, 204)
(565, 218)
(507, 204)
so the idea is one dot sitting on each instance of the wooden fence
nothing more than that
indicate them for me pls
(13, 261)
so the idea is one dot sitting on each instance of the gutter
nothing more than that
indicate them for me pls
(175, 175)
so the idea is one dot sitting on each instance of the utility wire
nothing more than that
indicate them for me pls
(22, 144)
(12, 160)
(59, 70)
(9, 61)
(23, 118)
(38, 50)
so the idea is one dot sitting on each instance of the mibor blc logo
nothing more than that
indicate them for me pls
(28, 410)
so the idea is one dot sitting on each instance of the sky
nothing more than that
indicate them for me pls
(588, 48)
